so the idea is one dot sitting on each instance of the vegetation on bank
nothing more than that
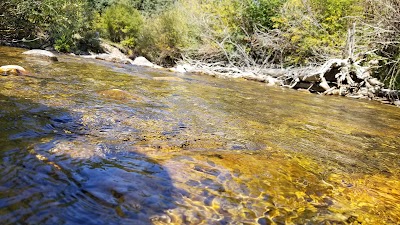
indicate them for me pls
(242, 33)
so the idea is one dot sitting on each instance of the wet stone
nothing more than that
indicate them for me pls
(41, 53)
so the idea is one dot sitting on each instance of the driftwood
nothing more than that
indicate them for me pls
(338, 76)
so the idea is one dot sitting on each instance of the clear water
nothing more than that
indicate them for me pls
(90, 142)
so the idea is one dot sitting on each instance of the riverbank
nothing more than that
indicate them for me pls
(335, 77)
(342, 77)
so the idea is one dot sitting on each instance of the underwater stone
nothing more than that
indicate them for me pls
(118, 94)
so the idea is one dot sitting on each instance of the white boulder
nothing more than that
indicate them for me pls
(41, 53)
(142, 61)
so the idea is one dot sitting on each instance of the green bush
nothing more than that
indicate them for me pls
(260, 13)
(71, 28)
(315, 31)
(120, 23)
(166, 36)
(53, 22)
(63, 44)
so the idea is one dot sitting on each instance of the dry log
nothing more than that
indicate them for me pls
(374, 82)
(324, 84)
(275, 73)
(317, 74)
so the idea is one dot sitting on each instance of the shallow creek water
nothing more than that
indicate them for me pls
(90, 142)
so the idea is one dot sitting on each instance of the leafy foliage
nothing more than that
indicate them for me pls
(165, 37)
(51, 21)
(315, 30)
(120, 23)
(261, 12)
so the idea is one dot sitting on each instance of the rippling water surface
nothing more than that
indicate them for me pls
(86, 142)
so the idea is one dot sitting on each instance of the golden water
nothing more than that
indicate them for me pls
(90, 142)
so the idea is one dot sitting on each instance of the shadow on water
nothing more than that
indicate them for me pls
(39, 185)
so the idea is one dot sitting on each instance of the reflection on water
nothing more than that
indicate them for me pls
(96, 143)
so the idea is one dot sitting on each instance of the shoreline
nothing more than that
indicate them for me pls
(327, 79)
(309, 79)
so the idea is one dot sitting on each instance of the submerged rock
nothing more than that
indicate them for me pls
(142, 61)
(41, 53)
(113, 58)
(118, 94)
(12, 69)
(168, 78)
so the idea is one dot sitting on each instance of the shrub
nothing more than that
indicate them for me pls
(71, 27)
(166, 36)
(315, 31)
(260, 13)
(120, 23)
(54, 22)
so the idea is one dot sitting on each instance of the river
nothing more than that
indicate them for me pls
(91, 142)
